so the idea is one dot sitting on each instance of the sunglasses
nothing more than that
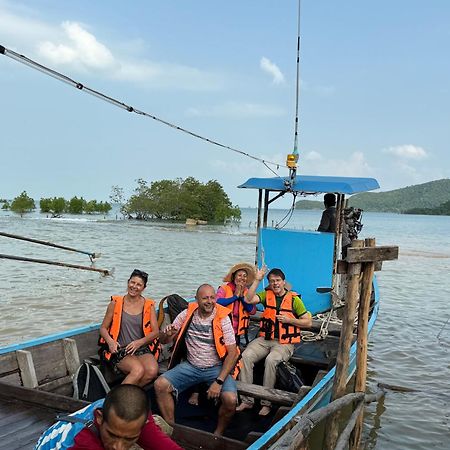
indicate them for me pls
(139, 273)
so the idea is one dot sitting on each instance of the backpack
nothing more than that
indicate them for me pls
(62, 434)
(288, 377)
(89, 383)
(175, 304)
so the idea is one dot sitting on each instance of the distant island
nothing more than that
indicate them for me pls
(427, 198)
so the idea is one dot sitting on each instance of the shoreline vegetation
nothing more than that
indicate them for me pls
(169, 200)
(432, 198)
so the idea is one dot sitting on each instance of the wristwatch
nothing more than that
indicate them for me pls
(219, 381)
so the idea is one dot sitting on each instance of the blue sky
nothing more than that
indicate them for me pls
(374, 101)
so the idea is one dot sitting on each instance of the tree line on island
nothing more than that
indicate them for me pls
(56, 206)
(175, 200)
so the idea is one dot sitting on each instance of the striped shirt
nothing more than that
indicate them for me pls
(201, 350)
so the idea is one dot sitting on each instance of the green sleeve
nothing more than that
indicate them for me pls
(262, 297)
(299, 307)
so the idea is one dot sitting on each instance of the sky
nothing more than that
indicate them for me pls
(374, 92)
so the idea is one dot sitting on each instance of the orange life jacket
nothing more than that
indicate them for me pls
(243, 315)
(287, 333)
(114, 328)
(179, 349)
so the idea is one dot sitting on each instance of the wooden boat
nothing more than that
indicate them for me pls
(36, 376)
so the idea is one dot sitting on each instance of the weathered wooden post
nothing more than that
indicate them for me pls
(345, 342)
(361, 352)
(357, 256)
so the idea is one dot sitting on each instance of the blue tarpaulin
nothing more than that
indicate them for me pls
(313, 184)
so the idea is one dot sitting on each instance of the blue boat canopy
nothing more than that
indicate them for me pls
(307, 184)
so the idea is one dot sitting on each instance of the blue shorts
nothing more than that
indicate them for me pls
(185, 375)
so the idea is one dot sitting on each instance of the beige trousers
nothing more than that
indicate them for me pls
(274, 352)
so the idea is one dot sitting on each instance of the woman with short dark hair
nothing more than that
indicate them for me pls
(129, 332)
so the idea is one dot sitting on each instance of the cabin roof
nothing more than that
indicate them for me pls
(308, 184)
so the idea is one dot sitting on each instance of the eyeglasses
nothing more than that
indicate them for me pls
(139, 273)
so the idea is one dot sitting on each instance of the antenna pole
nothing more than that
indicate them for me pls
(292, 158)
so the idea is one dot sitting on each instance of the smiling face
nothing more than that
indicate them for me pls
(277, 284)
(206, 299)
(240, 277)
(135, 286)
(116, 433)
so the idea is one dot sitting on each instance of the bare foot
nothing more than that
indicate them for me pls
(264, 411)
(243, 406)
(193, 399)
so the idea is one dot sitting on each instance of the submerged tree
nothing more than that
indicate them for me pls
(22, 204)
(181, 199)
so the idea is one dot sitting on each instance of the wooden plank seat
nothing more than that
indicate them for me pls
(276, 396)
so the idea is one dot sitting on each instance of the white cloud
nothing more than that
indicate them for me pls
(82, 48)
(272, 69)
(237, 110)
(407, 151)
(72, 46)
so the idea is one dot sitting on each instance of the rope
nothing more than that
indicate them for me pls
(80, 86)
(288, 216)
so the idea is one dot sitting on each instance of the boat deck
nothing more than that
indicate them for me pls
(21, 423)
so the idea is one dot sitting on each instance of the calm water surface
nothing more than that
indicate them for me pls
(404, 350)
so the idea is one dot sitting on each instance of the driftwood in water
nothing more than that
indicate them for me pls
(54, 263)
(296, 437)
(49, 244)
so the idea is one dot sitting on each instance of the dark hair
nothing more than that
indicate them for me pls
(329, 200)
(277, 273)
(141, 274)
(128, 401)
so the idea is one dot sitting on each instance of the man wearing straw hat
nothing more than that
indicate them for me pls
(284, 314)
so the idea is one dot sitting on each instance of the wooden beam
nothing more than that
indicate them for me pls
(54, 384)
(372, 254)
(276, 396)
(345, 342)
(26, 366)
(71, 355)
(42, 398)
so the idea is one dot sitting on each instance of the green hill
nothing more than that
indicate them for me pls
(421, 196)
(308, 204)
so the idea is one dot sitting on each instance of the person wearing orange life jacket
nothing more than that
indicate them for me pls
(205, 338)
(284, 314)
(232, 293)
(129, 333)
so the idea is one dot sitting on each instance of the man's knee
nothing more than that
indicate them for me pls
(229, 400)
(273, 359)
(162, 385)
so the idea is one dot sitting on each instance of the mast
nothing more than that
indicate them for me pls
(292, 158)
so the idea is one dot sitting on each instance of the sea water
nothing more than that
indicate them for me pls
(409, 345)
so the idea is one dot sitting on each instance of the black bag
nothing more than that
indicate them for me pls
(89, 383)
(288, 377)
(175, 304)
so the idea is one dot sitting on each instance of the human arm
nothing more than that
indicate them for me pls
(138, 343)
(170, 332)
(152, 438)
(228, 364)
(222, 300)
(250, 296)
(303, 320)
(104, 327)
(324, 221)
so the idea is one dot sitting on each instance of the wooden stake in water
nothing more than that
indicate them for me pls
(55, 263)
(91, 255)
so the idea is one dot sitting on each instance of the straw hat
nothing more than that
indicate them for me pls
(241, 266)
